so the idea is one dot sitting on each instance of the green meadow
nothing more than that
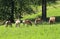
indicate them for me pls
(41, 31)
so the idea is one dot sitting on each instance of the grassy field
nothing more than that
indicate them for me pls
(44, 31)
(31, 32)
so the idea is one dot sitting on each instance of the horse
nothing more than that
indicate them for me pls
(52, 20)
(38, 21)
(8, 22)
(28, 22)
(17, 22)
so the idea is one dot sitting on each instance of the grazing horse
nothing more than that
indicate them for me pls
(8, 23)
(28, 22)
(38, 20)
(52, 19)
(17, 22)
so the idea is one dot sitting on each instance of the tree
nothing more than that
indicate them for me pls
(10, 8)
(44, 10)
(12, 12)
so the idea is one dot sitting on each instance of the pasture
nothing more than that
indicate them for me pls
(41, 31)
(44, 31)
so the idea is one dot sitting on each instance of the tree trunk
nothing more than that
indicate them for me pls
(21, 9)
(44, 10)
(12, 12)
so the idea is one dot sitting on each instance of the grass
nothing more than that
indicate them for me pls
(32, 16)
(31, 32)
(51, 11)
(44, 31)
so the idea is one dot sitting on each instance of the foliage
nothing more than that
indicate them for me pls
(20, 7)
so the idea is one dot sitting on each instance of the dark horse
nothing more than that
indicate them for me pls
(8, 22)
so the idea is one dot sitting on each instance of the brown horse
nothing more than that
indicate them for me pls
(52, 19)
(28, 22)
(38, 21)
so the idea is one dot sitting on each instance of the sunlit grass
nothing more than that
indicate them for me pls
(41, 31)
(31, 32)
